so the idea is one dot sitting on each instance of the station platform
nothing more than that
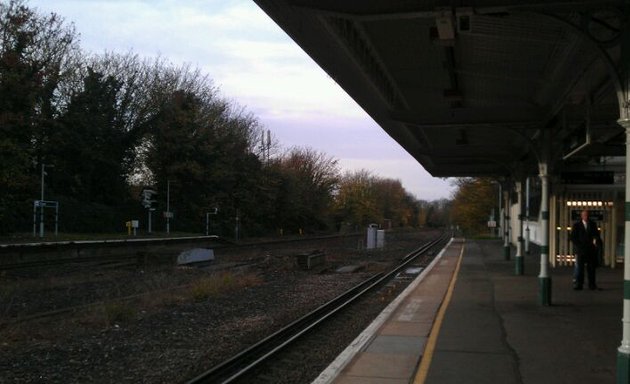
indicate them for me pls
(469, 319)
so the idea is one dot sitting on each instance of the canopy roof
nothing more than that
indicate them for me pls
(483, 90)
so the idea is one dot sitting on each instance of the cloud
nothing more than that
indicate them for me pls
(253, 62)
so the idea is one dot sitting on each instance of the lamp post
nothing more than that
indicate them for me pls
(168, 207)
(41, 205)
(214, 211)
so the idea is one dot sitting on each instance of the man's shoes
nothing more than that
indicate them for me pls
(577, 287)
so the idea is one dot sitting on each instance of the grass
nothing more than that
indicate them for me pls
(118, 312)
(215, 285)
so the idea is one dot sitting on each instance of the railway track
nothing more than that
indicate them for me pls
(53, 254)
(59, 253)
(105, 263)
(94, 304)
(264, 351)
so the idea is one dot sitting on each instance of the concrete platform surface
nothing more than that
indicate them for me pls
(493, 329)
(390, 349)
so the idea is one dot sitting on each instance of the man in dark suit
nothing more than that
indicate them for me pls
(586, 241)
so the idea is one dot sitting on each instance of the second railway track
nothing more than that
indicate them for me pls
(241, 366)
(139, 251)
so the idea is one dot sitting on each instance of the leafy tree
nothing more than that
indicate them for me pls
(309, 179)
(363, 199)
(237, 173)
(35, 53)
(394, 202)
(112, 123)
(439, 214)
(205, 149)
(91, 146)
(472, 203)
(356, 200)
(136, 104)
(174, 151)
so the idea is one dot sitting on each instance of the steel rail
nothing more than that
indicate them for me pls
(129, 244)
(166, 240)
(66, 261)
(75, 308)
(112, 242)
(248, 359)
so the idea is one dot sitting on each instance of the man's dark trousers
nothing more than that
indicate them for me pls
(590, 259)
(585, 239)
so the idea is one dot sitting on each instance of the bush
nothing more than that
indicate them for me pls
(118, 312)
(213, 286)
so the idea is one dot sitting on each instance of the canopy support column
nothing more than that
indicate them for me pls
(623, 352)
(519, 266)
(544, 278)
(527, 232)
(506, 224)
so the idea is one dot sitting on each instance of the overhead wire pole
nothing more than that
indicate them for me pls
(41, 201)
(41, 206)
(168, 207)
(35, 204)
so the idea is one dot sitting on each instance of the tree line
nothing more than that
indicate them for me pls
(107, 125)
(474, 201)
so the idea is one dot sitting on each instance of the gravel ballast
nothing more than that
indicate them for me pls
(169, 332)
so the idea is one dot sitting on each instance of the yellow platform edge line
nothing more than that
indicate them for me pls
(427, 357)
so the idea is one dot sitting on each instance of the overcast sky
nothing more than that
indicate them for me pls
(255, 64)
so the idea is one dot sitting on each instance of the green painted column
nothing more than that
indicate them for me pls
(527, 232)
(506, 224)
(623, 93)
(623, 352)
(544, 279)
(499, 215)
(519, 262)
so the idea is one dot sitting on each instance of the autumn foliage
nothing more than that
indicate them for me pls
(107, 125)
(473, 202)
